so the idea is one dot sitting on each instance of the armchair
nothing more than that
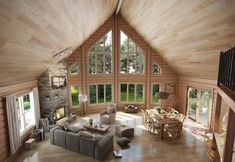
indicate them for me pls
(108, 116)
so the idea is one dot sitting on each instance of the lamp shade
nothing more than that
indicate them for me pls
(82, 97)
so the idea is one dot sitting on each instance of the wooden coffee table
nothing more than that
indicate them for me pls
(96, 127)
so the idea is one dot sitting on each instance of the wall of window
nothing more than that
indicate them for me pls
(100, 56)
(155, 90)
(131, 56)
(26, 114)
(100, 93)
(74, 92)
(131, 92)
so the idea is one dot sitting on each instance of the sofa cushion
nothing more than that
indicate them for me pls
(75, 129)
(85, 134)
(123, 141)
(66, 126)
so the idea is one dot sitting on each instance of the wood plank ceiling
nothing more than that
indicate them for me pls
(189, 35)
(32, 31)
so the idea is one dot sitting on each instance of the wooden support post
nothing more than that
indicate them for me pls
(116, 59)
(217, 112)
(83, 70)
(229, 141)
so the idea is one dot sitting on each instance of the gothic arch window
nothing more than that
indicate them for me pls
(156, 69)
(100, 56)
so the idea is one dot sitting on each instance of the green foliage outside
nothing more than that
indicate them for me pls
(156, 88)
(74, 69)
(132, 96)
(101, 93)
(139, 93)
(108, 93)
(96, 55)
(26, 102)
(92, 91)
(74, 95)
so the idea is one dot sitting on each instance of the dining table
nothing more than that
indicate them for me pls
(163, 118)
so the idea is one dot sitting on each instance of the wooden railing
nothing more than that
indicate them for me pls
(226, 75)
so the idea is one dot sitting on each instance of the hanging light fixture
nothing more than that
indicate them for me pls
(163, 95)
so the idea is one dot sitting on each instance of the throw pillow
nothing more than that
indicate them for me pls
(61, 126)
(75, 129)
(123, 142)
(110, 110)
(85, 134)
(66, 126)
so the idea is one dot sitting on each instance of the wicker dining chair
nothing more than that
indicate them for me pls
(174, 131)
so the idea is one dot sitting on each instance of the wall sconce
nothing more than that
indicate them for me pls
(82, 98)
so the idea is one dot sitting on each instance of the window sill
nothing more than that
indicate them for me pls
(26, 131)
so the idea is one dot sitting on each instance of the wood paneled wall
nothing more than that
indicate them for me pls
(151, 56)
(4, 137)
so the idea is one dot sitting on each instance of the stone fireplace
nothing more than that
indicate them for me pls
(53, 93)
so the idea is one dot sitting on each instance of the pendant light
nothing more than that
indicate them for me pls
(163, 95)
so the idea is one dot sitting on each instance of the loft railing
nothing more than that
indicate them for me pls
(226, 75)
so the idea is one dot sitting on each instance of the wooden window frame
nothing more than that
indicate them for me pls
(96, 84)
(128, 56)
(70, 96)
(136, 83)
(104, 57)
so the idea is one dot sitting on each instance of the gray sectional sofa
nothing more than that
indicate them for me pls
(97, 146)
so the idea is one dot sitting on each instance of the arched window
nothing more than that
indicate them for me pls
(100, 56)
(74, 69)
(131, 56)
(156, 69)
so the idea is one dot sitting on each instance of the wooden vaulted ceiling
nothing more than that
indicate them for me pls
(188, 34)
(33, 31)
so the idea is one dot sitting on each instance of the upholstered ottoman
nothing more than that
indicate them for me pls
(124, 131)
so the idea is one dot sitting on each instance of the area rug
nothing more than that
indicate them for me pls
(199, 131)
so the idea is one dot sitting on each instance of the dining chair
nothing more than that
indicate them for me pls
(144, 121)
(174, 131)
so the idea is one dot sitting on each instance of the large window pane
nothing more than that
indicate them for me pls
(108, 42)
(92, 94)
(100, 56)
(100, 62)
(26, 102)
(74, 95)
(100, 93)
(123, 92)
(131, 64)
(92, 63)
(139, 93)
(131, 56)
(124, 42)
(108, 93)
(108, 63)
(156, 88)
(139, 63)
(131, 93)
(123, 65)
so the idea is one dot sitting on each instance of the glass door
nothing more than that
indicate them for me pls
(192, 103)
(204, 107)
(199, 102)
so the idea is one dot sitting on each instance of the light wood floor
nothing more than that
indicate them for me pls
(144, 147)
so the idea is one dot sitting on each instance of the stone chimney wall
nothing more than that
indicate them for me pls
(52, 98)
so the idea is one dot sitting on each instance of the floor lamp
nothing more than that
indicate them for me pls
(83, 99)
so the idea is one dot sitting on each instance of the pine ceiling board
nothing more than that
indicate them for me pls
(32, 31)
(189, 35)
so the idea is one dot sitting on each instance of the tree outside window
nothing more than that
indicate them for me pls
(100, 56)
(131, 57)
